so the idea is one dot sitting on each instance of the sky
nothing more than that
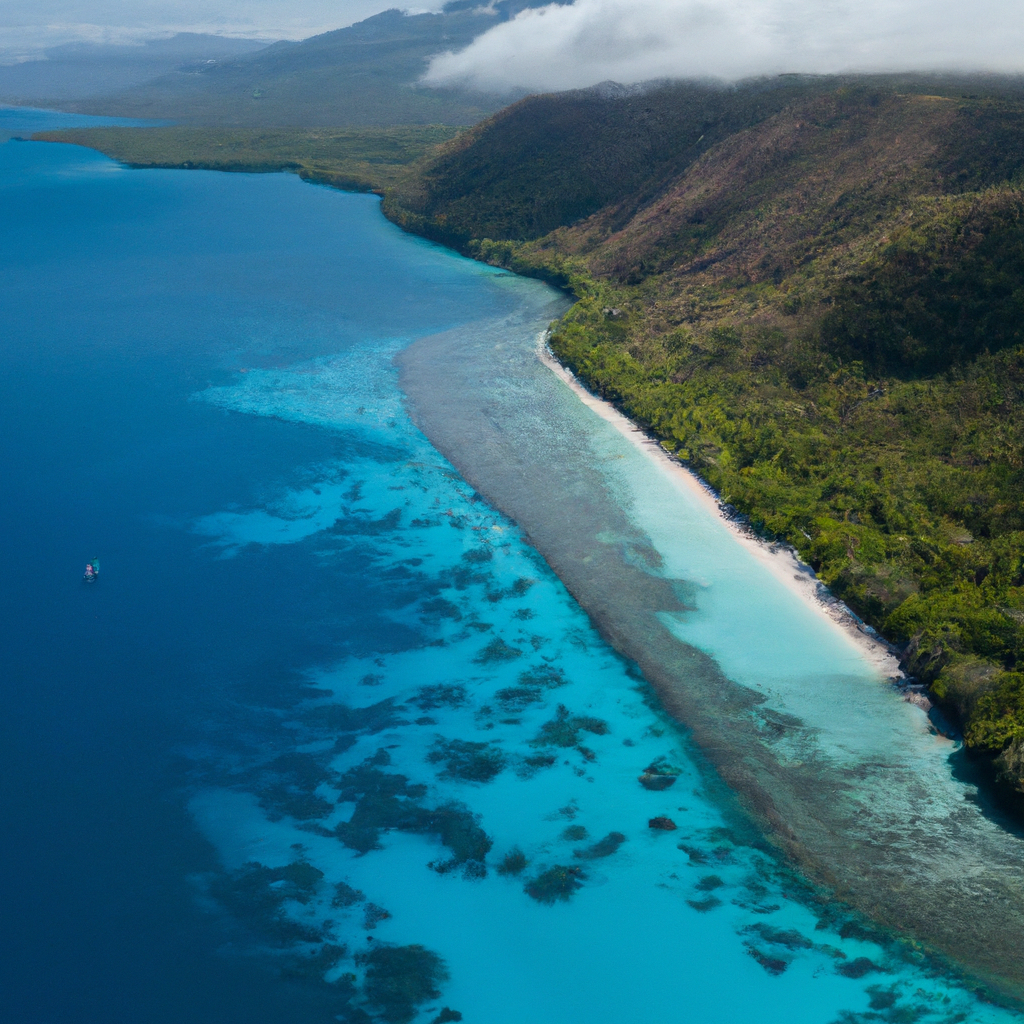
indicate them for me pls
(629, 41)
(31, 25)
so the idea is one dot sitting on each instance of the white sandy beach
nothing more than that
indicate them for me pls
(780, 559)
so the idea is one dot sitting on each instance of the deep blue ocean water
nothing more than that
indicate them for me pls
(269, 766)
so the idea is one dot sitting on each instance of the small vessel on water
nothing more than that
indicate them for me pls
(92, 571)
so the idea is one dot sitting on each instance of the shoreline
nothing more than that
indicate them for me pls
(781, 559)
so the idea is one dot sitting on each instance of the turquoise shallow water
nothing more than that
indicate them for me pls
(329, 739)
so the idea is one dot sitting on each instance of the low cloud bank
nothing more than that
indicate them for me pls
(565, 47)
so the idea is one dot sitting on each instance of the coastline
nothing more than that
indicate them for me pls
(861, 801)
(780, 559)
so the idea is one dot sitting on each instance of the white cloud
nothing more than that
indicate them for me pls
(563, 47)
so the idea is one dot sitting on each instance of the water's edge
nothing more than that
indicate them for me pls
(924, 864)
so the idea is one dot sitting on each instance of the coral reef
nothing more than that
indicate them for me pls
(602, 848)
(557, 883)
(386, 800)
(440, 695)
(659, 775)
(399, 979)
(467, 760)
(256, 895)
(513, 863)
(662, 823)
(564, 729)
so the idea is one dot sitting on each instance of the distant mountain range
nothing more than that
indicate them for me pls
(83, 71)
(365, 74)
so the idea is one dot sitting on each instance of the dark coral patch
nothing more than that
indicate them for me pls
(517, 698)
(399, 979)
(446, 1016)
(557, 883)
(513, 863)
(385, 800)
(373, 915)
(774, 965)
(857, 968)
(705, 905)
(602, 848)
(337, 718)
(659, 775)
(496, 652)
(662, 823)
(346, 896)
(788, 938)
(440, 695)
(574, 833)
(564, 729)
(467, 760)
(709, 883)
(256, 896)
(547, 677)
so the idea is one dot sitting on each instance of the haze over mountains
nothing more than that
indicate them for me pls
(367, 73)
(78, 71)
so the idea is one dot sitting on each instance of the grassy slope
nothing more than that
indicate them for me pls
(358, 159)
(819, 306)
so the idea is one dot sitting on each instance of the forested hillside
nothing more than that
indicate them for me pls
(813, 292)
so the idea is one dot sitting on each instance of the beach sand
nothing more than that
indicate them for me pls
(779, 558)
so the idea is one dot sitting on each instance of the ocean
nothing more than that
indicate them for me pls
(329, 739)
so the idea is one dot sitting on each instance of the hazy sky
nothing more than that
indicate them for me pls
(31, 24)
(633, 40)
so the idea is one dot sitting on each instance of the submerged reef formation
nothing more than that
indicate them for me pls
(659, 775)
(557, 883)
(424, 793)
(386, 800)
(467, 760)
(564, 729)
(829, 793)
(602, 848)
(399, 979)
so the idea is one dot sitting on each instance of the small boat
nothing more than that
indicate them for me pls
(92, 571)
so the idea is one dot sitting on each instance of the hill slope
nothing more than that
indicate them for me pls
(814, 294)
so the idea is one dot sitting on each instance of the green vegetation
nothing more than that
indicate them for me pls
(356, 159)
(812, 292)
